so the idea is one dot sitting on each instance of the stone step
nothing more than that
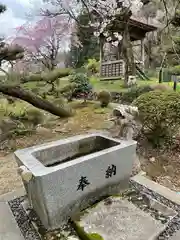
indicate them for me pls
(117, 218)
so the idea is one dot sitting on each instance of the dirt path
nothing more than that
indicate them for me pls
(9, 179)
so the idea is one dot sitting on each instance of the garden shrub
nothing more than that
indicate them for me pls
(159, 113)
(151, 73)
(92, 66)
(104, 97)
(16, 115)
(10, 127)
(34, 116)
(11, 100)
(175, 70)
(16, 111)
(80, 70)
(82, 85)
(67, 91)
(135, 92)
(35, 90)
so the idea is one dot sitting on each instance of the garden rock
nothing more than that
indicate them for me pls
(152, 160)
(125, 121)
(60, 130)
(42, 130)
(131, 81)
(126, 127)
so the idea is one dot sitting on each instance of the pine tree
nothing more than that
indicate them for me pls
(174, 49)
(2, 8)
(89, 43)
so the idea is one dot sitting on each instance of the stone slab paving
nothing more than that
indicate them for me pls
(9, 229)
(12, 195)
(119, 219)
(8, 226)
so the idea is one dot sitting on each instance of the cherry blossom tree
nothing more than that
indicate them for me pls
(101, 12)
(12, 52)
(44, 40)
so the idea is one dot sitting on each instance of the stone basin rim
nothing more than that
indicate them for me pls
(38, 169)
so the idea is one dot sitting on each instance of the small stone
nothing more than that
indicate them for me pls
(26, 205)
(152, 160)
(72, 238)
(64, 233)
(144, 206)
(41, 130)
(61, 130)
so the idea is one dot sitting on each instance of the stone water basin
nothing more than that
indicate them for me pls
(71, 174)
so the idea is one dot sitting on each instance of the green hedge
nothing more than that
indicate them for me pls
(159, 113)
(135, 92)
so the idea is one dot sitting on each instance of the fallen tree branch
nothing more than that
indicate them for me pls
(36, 101)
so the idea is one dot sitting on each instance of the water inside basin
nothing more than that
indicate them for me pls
(55, 155)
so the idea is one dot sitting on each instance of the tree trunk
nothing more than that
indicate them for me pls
(27, 96)
(101, 54)
(125, 55)
(127, 50)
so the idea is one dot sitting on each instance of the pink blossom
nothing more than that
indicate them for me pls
(45, 38)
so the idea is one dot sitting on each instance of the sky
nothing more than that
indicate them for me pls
(17, 13)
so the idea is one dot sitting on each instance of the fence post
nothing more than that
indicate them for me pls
(161, 75)
(174, 78)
